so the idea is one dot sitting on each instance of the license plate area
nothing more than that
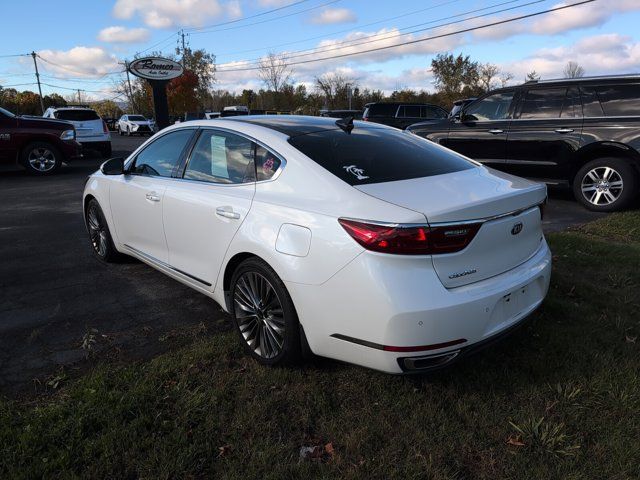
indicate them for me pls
(510, 306)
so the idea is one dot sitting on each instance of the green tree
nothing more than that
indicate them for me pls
(455, 77)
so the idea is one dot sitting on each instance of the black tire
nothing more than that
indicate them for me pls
(40, 158)
(268, 320)
(120, 132)
(128, 133)
(606, 184)
(99, 234)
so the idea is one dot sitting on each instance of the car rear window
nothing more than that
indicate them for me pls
(77, 115)
(376, 155)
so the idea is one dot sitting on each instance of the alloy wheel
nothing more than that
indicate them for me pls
(602, 186)
(97, 231)
(259, 315)
(42, 159)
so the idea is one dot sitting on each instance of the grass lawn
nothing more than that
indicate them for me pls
(558, 400)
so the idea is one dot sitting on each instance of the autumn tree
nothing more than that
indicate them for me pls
(334, 87)
(532, 76)
(455, 77)
(182, 93)
(107, 109)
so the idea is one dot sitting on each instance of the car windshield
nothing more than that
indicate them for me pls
(377, 155)
(6, 112)
(76, 115)
(137, 118)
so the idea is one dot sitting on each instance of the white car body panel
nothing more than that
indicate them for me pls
(125, 124)
(87, 131)
(337, 286)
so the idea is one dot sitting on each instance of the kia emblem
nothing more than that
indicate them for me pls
(516, 229)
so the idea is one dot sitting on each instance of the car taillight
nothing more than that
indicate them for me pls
(410, 239)
(365, 119)
(105, 129)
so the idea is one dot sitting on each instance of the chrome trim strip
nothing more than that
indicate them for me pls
(165, 265)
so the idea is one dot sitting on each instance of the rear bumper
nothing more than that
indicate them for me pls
(384, 312)
(93, 139)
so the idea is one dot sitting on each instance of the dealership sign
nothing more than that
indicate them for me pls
(154, 68)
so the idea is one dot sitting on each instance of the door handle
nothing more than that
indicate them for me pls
(564, 130)
(153, 196)
(224, 212)
(496, 131)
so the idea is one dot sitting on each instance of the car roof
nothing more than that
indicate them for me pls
(291, 125)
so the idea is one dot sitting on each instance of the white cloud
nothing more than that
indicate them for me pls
(583, 16)
(89, 62)
(168, 13)
(598, 55)
(234, 9)
(330, 16)
(123, 35)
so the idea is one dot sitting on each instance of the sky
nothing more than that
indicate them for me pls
(82, 44)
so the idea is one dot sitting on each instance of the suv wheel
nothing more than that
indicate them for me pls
(99, 235)
(128, 132)
(606, 184)
(41, 158)
(264, 314)
(120, 132)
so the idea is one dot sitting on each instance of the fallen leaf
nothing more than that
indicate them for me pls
(224, 450)
(328, 448)
(631, 339)
(515, 441)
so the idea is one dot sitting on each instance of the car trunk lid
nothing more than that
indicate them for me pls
(506, 208)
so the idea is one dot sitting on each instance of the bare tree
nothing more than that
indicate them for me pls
(275, 72)
(334, 87)
(505, 78)
(573, 70)
(486, 75)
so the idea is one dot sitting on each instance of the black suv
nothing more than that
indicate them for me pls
(582, 131)
(401, 115)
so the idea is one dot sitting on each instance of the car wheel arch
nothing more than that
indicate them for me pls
(603, 149)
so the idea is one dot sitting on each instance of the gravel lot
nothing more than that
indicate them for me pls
(56, 297)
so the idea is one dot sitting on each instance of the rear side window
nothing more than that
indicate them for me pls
(409, 111)
(267, 164)
(543, 103)
(371, 155)
(382, 110)
(432, 112)
(161, 157)
(221, 157)
(612, 100)
(77, 115)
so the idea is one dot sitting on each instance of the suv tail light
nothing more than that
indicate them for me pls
(410, 239)
(105, 128)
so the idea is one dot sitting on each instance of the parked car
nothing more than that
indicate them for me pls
(401, 115)
(111, 123)
(92, 132)
(584, 132)
(458, 105)
(305, 232)
(134, 124)
(39, 145)
(355, 114)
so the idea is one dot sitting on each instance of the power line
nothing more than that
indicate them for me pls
(384, 36)
(433, 7)
(266, 12)
(269, 19)
(420, 40)
(15, 55)
(17, 85)
(64, 67)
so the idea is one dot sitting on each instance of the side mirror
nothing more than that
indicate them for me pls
(113, 166)
(467, 117)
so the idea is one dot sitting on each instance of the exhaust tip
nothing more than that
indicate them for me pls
(429, 362)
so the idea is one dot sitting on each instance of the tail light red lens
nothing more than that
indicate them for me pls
(105, 128)
(410, 239)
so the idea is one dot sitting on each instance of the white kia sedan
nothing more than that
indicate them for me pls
(353, 241)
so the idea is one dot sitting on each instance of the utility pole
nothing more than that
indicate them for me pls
(126, 66)
(35, 63)
(182, 34)
(79, 100)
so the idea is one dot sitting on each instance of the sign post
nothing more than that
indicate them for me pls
(157, 71)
